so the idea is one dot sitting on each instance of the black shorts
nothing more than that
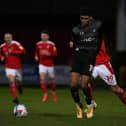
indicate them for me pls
(82, 68)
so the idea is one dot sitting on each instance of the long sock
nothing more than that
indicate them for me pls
(13, 90)
(87, 94)
(19, 86)
(43, 87)
(75, 95)
(53, 85)
(91, 91)
(122, 95)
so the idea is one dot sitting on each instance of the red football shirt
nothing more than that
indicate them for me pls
(46, 51)
(11, 53)
(102, 57)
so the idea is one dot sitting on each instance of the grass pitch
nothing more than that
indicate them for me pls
(110, 111)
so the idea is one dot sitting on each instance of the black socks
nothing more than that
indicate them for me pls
(75, 94)
(86, 92)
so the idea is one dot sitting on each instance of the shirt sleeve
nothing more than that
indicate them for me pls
(73, 37)
(1, 53)
(54, 51)
(19, 50)
(100, 37)
(36, 54)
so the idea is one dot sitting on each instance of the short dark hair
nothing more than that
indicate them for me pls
(45, 32)
(8, 33)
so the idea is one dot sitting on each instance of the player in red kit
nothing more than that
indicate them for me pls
(45, 53)
(104, 70)
(10, 51)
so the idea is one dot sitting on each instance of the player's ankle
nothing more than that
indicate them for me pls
(79, 104)
(45, 94)
(53, 93)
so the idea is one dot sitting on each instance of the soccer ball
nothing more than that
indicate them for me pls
(20, 111)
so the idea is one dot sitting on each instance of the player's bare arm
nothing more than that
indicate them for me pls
(71, 44)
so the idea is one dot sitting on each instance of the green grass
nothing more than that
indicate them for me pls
(110, 111)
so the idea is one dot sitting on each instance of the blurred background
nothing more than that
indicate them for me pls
(26, 19)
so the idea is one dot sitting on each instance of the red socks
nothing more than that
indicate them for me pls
(53, 85)
(13, 90)
(43, 87)
(122, 96)
(91, 91)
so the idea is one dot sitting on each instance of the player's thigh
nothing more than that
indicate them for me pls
(76, 66)
(86, 69)
(106, 73)
(11, 74)
(74, 78)
(51, 72)
(19, 75)
(42, 72)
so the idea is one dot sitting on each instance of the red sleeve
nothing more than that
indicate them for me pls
(103, 46)
(0, 56)
(54, 51)
(1, 53)
(19, 50)
(36, 51)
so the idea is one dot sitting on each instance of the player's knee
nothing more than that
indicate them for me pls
(11, 79)
(74, 82)
(116, 89)
(113, 89)
(85, 81)
(84, 85)
(42, 77)
(52, 77)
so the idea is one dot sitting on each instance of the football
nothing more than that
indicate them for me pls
(20, 111)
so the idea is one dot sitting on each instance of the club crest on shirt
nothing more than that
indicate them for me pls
(48, 46)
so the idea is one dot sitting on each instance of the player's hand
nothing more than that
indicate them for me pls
(2, 59)
(71, 44)
(36, 58)
(6, 53)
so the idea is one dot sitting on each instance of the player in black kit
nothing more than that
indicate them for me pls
(86, 42)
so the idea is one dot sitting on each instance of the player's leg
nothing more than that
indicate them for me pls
(120, 92)
(94, 75)
(11, 77)
(90, 88)
(74, 77)
(53, 83)
(19, 82)
(84, 85)
(106, 73)
(85, 79)
(42, 74)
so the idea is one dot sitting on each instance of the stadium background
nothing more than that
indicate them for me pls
(26, 19)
